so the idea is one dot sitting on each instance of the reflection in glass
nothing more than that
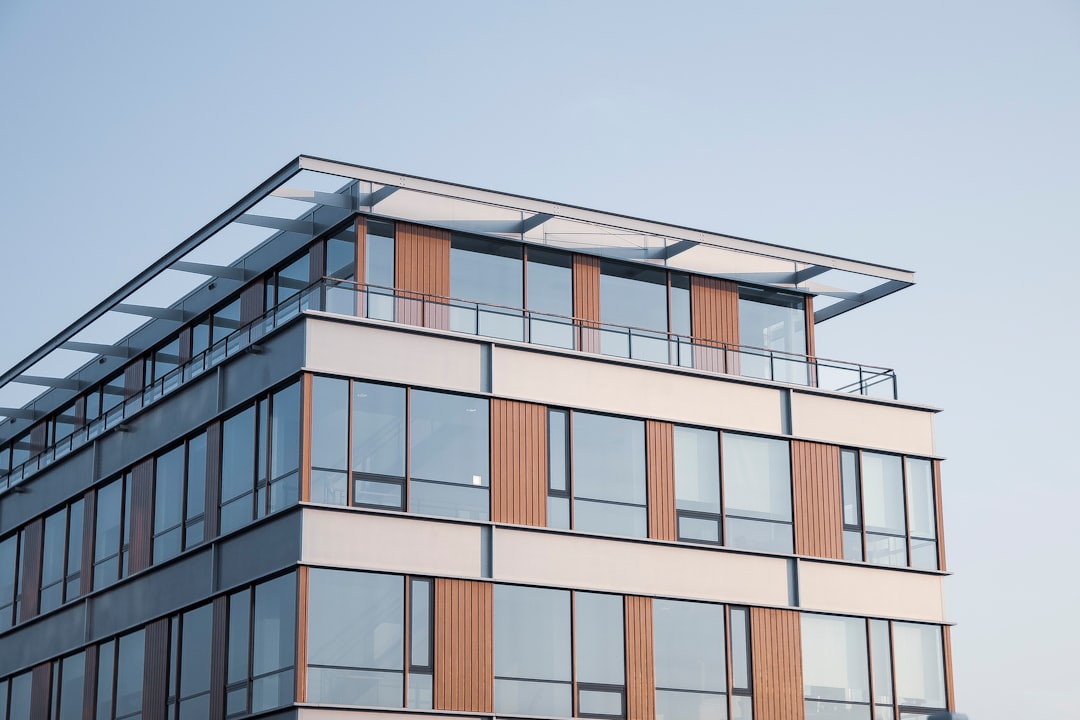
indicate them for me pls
(449, 439)
(378, 443)
(532, 643)
(285, 448)
(329, 440)
(379, 268)
(757, 493)
(609, 474)
(598, 638)
(920, 670)
(72, 677)
(835, 667)
(881, 661)
(550, 290)
(689, 650)
(772, 320)
(697, 470)
(486, 272)
(274, 646)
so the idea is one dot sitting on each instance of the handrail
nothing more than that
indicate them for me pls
(435, 311)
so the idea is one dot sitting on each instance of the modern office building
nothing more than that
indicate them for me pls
(375, 446)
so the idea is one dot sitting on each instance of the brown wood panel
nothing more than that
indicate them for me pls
(586, 278)
(39, 437)
(219, 634)
(940, 512)
(156, 670)
(817, 499)
(640, 670)
(213, 480)
(660, 455)
(41, 691)
(950, 691)
(142, 516)
(252, 301)
(80, 412)
(86, 574)
(810, 325)
(776, 647)
(134, 377)
(714, 323)
(301, 633)
(90, 683)
(422, 268)
(185, 345)
(464, 654)
(361, 249)
(317, 261)
(31, 569)
(519, 471)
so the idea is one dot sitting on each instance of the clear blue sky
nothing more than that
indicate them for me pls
(936, 136)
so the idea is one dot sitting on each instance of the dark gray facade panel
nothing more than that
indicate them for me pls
(29, 644)
(50, 487)
(260, 550)
(279, 356)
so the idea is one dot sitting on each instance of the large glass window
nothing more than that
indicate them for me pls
(771, 320)
(112, 531)
(9, 564)
(890, 505)
(599, 655)
(558, 504)
(238, 453)
(836, 679)
(19, 702)
(189, 674)
(608, 461)
(533, 667)
(341, 265)
(488, 274)
(261, 651)
(52, 561)
(757, 493)
(378, 445)
(697, 484)
(379, 268)
(690, 660)
(120, 677)
(168, 503)
(550, 290)
(69, 674)
(633, 296)
(449, 454)
(329, 440)
(920, 671)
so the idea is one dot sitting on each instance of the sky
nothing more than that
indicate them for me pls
(937, 137)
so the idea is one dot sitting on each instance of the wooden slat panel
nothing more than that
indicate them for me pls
(90, 683)
(714, 319)
(950, 691)
(41, 691)
(317, 261)
(185, 345)
(80, 412)
(464, 653)
(810, 325)
(939, 510)
(31, 569)
(86, 575)
(586, 277)
(252, 300)
(422, 267)
(776, 646)
(818, 500)
(519, 472)
(133, 378)
(213, 480)
(142, 516)
(640, 671)
(361, 249)
(39, 437)
(156, 670)
(218, 641)
(660, 453)
(301, 633)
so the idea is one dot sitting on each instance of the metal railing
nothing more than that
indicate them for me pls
(345, 297)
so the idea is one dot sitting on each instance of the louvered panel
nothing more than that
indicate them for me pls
(519, 462)
(640, 670)
(422, 268)
(464, 652)
(142, 516)
(776, 647)
(156, 670)
(586, 278)
(818, 501)
(660, 442)
(31, 569)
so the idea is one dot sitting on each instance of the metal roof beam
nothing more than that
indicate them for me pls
(813, 271)
(679, 247)
(158, 313)
(534, 221)
(219, 271)
(99, 349)
(20, 413)
(314, 196)
(275, 223)
(372, 199)
(854, 300)
(62, 383)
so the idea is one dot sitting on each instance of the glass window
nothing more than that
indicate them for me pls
(920, 670)
(285, 448)
(883, 503)
(129, 674)
(849, 473)
(633, 296)
(922, 520)
(532, 651)
(237, 470)
(72, 675)
(771, 320)
(558, 510)
(111, 510)
(195, 511)
(378, 445)
(225, 321)
(168, 503)
(682, 351)
(73, 572)
(293, 278)
(341, 265)
(356, 638)
(239, 659)
(609, 475)
(329, 440)
(8, 569)
(836, 680)
(379, 268)
(740, 651)
(19, 707)
(550, 293)
(689, 652)
(757, 493)
(881, 662)
(697, 484)
(599, 638)
(274, 646)
(195, 659)
(449, 436)
(488, 274)
(52, 561)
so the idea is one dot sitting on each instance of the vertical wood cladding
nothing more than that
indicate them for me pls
(361, 249)
(39, 438)
(714, 320)
(464, 653)
(660, 454)
(776, 647)
(142, 516)
(156, 670)
(185, 345)
(950, 694)
(586, 277)
(818, 504)
(213, 480)
(421, 267)
(317, 261)
(31, 569)
(133, 378)
(86, 574)
(219, 634)
(940, 515)
(810, 325)
(41, 680)
(252, 299)
(519, 463)
(90, 678)
(301, 633)
(640, 670)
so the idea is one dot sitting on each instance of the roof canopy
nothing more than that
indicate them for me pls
(310, 195)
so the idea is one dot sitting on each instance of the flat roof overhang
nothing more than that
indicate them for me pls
(310, 195)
